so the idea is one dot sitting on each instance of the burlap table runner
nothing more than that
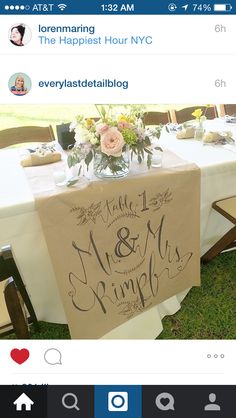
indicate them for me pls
(119, 247)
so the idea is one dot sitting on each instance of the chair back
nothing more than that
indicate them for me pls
(13, 136)
(230, 109)
(156, 118)
(183, 115)
(4, 271)
(16, 311)
(16, 294)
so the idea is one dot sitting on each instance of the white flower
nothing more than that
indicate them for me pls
(79, 139)
(93, 140)
(72, 126)
(82, 135)
(139, 123)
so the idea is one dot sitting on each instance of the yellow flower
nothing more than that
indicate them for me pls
(197, 113)
(89, 123)
(123, 118)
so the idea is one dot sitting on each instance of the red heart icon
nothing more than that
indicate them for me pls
(19, 356)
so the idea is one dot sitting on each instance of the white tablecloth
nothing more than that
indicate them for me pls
(218, 176)
(20, 227)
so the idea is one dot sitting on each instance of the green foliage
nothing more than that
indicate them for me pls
(72, 182)
(114, 163)
(148, 151)
(135, 111)
(74, 157)
(80, 119)
(130, 137)
(88, 158)
(70, 161)
(147, 141)
(157, 131)
(149, 160)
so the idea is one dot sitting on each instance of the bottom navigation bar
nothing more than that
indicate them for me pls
(100, 401)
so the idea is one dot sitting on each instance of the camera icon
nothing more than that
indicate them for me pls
(117, 401)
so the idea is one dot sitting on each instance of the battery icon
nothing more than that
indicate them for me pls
(222, 7)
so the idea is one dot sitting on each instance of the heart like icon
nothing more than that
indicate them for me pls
(20, 356)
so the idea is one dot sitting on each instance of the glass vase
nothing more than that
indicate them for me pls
(199, 131)
(76, 170)
(156, 158)
(108, 166)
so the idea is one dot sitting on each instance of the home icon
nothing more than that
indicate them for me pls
(23, 403)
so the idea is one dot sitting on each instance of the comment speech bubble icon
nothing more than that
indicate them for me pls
(53, 356)
(165, 401)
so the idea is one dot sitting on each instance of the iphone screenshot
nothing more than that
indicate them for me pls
(117, 209)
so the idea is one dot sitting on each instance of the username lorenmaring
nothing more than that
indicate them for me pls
(74, 29)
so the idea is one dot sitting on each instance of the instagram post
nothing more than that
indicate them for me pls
(117, 209)
(147, 180)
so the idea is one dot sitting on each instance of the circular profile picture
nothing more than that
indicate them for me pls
(19, 34)
(19, 84)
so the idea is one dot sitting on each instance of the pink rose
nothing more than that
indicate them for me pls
(123, 124)
(112, 142)
(101, 128)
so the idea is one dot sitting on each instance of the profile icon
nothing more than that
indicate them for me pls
(212, 406)
(19, 34)
(19, 84)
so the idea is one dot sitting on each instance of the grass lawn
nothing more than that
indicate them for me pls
(12, 116)
(208, 312)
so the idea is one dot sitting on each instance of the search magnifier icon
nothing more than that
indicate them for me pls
(70, 401)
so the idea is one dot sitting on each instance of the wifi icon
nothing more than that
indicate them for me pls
(62, 6)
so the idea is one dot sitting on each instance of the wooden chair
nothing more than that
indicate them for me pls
(15, 308)
(156, 118)
(23, 134)
(227, 208)
(229, 109)
(15, 294)
(183, 115)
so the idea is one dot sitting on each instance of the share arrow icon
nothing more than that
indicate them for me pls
(185, 7)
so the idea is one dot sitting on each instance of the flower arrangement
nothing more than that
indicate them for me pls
(110, 136)
(199, 115)
(200, 118)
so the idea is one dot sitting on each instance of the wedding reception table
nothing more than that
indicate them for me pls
(218, 176)
(20, 226)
